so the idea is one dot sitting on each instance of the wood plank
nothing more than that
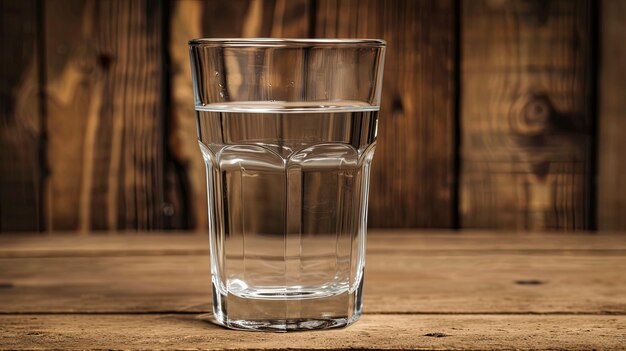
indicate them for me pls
(422, 242)
(20, 128)
(424, 332)
(420, 281)
(412, 173)
(612, 111)
(526, 126)
(213, 19)
(104, 124)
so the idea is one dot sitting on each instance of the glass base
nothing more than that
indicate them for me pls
(287, 314)
(286, 325)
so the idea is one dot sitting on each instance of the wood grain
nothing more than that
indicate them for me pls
(430, 283)
(612, 111)
(526, 127)
(104, 121)
(423, 332)
(450, 291)
(420, 242)
(412, 175)
(20, 129)
(214, 19)
(96, 159)
(425, 273)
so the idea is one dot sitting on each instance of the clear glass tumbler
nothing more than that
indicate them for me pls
(287, 129)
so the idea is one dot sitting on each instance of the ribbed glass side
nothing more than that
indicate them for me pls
(288, 196)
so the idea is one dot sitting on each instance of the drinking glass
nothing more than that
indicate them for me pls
(287, 129)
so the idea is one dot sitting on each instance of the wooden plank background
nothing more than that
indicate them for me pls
(495, 114)
(525, 114)
(612, 109)
(20, 123)
(104, 114)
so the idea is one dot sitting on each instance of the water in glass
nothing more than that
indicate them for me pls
(288, 187)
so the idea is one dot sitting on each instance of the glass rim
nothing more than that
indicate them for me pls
(286, 42)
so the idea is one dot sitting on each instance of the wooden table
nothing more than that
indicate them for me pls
(423, 290)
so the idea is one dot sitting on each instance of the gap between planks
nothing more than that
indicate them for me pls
(410, 252)
(377, 313)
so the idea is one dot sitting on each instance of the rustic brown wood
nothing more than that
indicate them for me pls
(20, 173)
(412, 176)
(422, 242)
(410, 283)
(104, 121)
(526, 131)
(450, 291)
(423, 332)
(612, 123)
(215, 19)
(428, 273)
(525, 102)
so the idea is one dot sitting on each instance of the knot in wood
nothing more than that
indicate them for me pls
(437, 335)
(104, 61)
(530, 115)
(397, 108)
(529, 282)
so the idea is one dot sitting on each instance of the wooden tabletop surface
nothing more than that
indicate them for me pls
(423, 290)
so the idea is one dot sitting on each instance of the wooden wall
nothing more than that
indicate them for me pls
(526, 114)
(21, 132)
(611, 180)
(496, 113)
